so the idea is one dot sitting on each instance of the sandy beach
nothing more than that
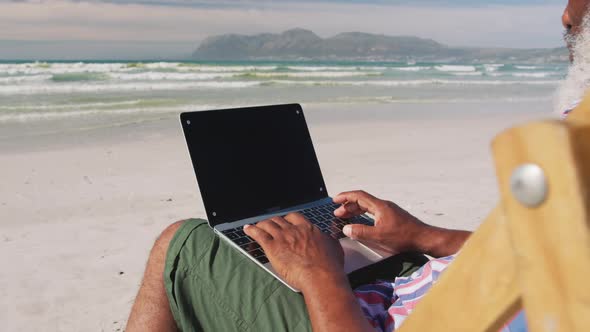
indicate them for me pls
(80, 210)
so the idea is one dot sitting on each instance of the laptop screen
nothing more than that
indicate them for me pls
(252, 161)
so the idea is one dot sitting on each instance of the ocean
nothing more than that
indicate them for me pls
(79, 94)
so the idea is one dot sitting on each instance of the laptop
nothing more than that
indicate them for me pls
(255, 163)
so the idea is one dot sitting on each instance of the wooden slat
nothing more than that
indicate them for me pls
(581, 148)
(478, 292)
(551, 242)
(579, 123)
(536, 258)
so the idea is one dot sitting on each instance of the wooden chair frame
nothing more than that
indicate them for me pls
(536, 259)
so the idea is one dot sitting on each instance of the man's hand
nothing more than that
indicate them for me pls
(298, 251)
(314, 263)
(395, 229)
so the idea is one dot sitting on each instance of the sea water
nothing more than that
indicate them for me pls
(70, 93)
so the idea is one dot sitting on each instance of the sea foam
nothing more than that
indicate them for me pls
(455, 68)
(412, 69)
(319, 74)
(51, 115)
(86, 88)
(410, 83)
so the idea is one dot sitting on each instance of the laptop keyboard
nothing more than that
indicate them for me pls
(321, 216)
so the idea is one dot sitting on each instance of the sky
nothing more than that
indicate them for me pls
(147, 28)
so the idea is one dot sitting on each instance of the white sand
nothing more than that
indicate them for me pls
(80, 211)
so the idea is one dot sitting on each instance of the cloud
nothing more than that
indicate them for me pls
(532, 23)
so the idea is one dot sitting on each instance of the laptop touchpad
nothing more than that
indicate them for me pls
(357, 256)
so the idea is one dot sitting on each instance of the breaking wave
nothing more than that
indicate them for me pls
(54, 90)
(455, 68)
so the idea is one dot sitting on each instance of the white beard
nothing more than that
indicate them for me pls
(571, 91)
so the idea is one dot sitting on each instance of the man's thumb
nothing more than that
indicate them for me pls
(358, 232)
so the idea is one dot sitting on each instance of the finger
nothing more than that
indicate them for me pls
(296, 219)
(257, 234)
(348, 210)
(360, 232)
(281, 222)
(270, 227)
(365, 202)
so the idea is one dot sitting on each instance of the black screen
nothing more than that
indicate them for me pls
(251, 161)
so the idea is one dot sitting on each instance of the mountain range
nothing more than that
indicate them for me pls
(301, 44)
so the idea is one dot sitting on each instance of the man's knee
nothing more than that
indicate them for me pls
(164, 239)
(157, 257)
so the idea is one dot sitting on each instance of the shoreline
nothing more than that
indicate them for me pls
(33, 136)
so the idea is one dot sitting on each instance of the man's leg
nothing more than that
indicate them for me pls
(151, 310)
(213, 287)
(204, 284)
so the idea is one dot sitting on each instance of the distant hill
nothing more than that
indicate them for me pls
(301, 44)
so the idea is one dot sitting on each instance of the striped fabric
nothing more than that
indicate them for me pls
(570, 108)
(387, 304)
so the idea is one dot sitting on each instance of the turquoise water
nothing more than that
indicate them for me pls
(44, 91)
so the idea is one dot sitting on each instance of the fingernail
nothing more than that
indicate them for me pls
(246, 226)
(347, 230)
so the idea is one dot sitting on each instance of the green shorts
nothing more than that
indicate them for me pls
(213, 287)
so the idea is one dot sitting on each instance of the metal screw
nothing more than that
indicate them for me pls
(321, 188)
(188, 122)
(529, 185)
(297, 112)
(214, 214)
